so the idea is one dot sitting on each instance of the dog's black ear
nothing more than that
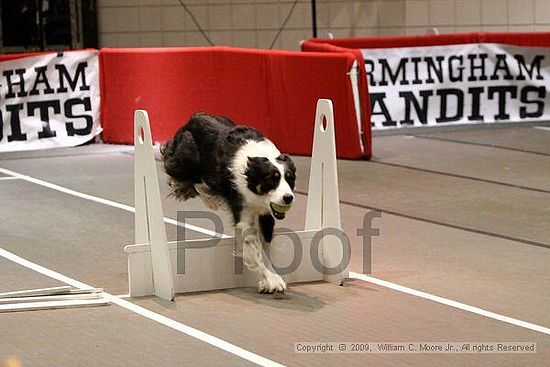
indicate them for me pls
(283, 158)
(255, 174)
(261, 175)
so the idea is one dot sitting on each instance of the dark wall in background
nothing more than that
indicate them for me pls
(33, 25)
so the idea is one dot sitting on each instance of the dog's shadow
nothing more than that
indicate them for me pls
(292, 299)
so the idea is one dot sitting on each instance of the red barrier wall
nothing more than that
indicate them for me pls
(362, 81)
(274, 91)
(8, 57)
(20, 55)
(519, 39)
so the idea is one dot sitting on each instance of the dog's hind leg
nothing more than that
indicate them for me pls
(181, 160)
(182, 190)
(213, 202)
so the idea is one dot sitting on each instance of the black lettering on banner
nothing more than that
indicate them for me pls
(44, 107)
(541, 91)
(369, 72)
(437, 69)
(476, 92)
(41, 78)
(502, 91)
(80, 73)
(378, 98)
(415, 61)
(421, 112)
(452, 77)
(401, 69)
(21, 83)
(68, 108)
(15, 123)
(443, 107)
(535, 65)
(501, 64)
(471, 74)
(474, 67)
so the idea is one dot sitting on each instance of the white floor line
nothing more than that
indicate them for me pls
(449, 302)
(545, 128)
(9, 178)
(182, 328)
(107, 202)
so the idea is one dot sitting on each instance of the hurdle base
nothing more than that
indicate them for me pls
(226, 270)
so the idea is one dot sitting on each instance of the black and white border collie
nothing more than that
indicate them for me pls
(236, 168)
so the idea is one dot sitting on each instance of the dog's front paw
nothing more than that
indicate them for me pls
(272, 283)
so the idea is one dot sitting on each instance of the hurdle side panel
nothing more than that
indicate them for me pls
(149, 223)
(323, 202)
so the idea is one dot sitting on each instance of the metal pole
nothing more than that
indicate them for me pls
(76, 24)
(41, 30)
(314, 17)
(1, 31)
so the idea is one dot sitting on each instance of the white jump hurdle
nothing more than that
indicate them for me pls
(152, 260)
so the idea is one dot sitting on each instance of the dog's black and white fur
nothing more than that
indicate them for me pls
(239, 169)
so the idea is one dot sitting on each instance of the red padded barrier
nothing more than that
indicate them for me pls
(518, 39)
(362, 81)
(8, 57)
(15, 56)
(273, 91)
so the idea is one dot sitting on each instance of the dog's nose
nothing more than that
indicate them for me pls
(287, 198)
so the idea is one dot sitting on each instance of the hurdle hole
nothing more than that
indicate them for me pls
(141, 135)
(323, 125)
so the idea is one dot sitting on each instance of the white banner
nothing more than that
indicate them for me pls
(457, 84)
(49, 101)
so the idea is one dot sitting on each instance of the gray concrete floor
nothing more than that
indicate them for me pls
(465, 215)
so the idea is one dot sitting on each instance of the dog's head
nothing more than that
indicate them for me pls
(273, 179)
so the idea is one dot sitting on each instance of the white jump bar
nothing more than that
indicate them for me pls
(37, 292)
(62, 297)
(48, 292)
(53, 305)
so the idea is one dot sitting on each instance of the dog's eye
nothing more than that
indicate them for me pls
(289, 175)
(276, 175)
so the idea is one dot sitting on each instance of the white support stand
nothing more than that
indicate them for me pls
(323, 199)
(149, 218)
(152, 261)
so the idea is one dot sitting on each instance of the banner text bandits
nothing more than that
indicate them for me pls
(513, 77)
(23, 83)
